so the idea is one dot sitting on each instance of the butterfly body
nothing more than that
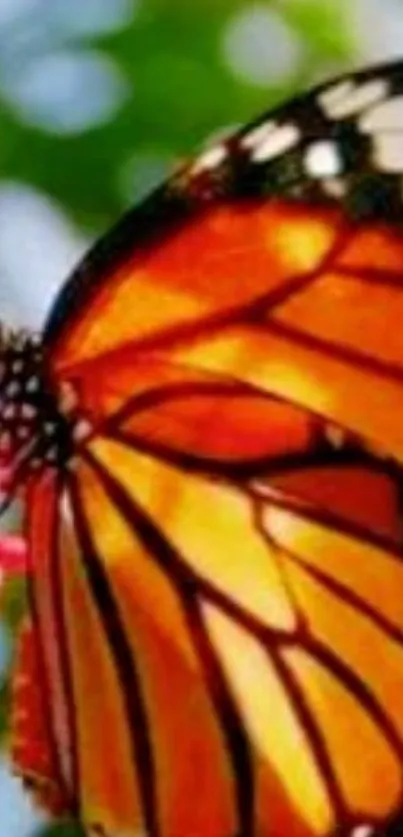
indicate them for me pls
(211, 462)
(38, 424)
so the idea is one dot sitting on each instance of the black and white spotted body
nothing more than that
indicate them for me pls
(37, 430)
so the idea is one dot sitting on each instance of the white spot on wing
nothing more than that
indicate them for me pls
(332, 96)
(323, 159)
(354, 99)
(388, 153)
(210, 159)
(257, 135)
(277, 142)
(386, 116)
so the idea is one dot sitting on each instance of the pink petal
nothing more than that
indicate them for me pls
(13, 556)
(13, 548)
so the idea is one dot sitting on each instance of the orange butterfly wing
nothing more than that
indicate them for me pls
(300, 304)
(231, 534)
(241, 657)
(234, 255)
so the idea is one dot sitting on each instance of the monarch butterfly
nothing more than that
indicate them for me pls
(209, 439)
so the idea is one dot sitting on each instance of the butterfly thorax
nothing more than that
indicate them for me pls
(34, 430)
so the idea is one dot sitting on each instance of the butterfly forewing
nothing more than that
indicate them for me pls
(228, 623)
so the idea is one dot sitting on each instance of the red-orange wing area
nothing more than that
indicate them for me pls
(32, 745)
(41, 721)
(218, 261)
(275, 298)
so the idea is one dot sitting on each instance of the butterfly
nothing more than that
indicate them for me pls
(208, 436)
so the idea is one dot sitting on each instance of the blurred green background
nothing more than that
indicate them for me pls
(98, 100)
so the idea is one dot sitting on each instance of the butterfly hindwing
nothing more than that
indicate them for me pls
(272, 599)
(33, 748)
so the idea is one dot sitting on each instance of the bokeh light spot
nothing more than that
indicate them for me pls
(38, 248)
(12, 10)
(377, 29)
(18, 816)
(91, 17)
(259, 47)
(67, 92)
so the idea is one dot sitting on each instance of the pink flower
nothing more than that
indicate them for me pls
(13, 548)
(13, 557)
